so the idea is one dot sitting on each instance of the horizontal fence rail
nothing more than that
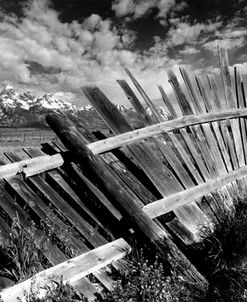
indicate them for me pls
(71, 271)
(181, 122)
(170, 203)
(32, 166)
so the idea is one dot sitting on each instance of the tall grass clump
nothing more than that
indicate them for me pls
(222, 256)
(20, 259)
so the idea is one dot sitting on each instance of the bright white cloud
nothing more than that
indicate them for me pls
(230, 37)
(78, 54)
(139, 8)
(123, 7)
(189, 50)
(181, 32)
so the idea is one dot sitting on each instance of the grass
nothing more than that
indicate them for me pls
(19, 258)
(221, 258)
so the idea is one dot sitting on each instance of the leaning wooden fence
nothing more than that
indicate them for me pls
(164, 181)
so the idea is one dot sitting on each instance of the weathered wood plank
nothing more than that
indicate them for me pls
(134, 101)
(184, 105)
(94, 169)
(5, 231)
(72, 270)
(181, 122)
(160, 143)
(64, 186)
(32, 166)
(216, 99)
(197, 156)
(187, 160)
(146, 98)
(220, 140)
(163, 178)
(226, 78)
(231, 102)
(228, 142)
(50, 251)
(174, 225)
(240, 104)
(202, 89)
(213, 145)
(84, 228)
(143, 154)
(79, 223)
(204, 148)
(170, 203)
(198, 106)
(167, 102)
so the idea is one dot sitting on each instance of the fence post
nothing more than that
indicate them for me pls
(95, 169)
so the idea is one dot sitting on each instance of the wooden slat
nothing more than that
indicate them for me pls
(228, 142)
(76, 220)
(202, 89)
(146, 98)
(204, 148)
(231, 103)
(84, 228)
(181, 122)
(174, 224)
(226, 78)
(71, 270)
(143, 154)
(212, 143)
(159, 174)
(160, 143)
(240, 104)
(210, 149)
(167, 102)
(198, 106)
(5, 231)
(134, 101)
(50, 251)
(94, 169)
(216, 99)
(170, 203)
(64, 186)
(32, 166)
(184, 105)
(184, 155)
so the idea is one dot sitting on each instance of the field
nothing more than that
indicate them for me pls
(14, 139)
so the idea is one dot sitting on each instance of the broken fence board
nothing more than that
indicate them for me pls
(72, 270)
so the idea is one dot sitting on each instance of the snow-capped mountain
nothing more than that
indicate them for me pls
(26, 110)
(10, 98)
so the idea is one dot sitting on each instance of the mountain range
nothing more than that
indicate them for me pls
(25, 110)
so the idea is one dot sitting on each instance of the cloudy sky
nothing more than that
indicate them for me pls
(61, 45)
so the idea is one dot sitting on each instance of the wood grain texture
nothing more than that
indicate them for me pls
(170, 203)
(72, 270)
(136, 135)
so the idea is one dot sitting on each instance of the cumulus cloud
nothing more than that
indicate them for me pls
(230, 37)
(182, 32)
(40, 53)
(189, 50)
(77, 53)
(139, 8)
